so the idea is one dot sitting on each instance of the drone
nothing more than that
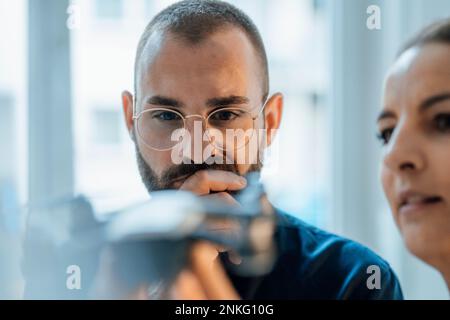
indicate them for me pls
(150, 241)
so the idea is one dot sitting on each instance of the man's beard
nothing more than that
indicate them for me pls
(182, 171)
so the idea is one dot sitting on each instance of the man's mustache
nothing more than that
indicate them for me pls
(179, 172)
(183, 171)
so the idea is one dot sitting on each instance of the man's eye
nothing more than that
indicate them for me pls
(225, 115)
(442, 122)
(166, 116)
(385, 135)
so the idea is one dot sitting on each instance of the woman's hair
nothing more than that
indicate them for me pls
(437, 32)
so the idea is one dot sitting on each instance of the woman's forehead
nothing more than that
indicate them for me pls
(418, 72)
(432, 58)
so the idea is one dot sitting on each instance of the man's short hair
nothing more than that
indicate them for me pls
(195, 20)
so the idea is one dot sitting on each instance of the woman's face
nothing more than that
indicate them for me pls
(414, 127)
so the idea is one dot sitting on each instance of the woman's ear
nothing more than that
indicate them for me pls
(127, 105)
(272, 116)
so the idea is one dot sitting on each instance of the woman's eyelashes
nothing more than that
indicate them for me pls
(439, 123)
(385, 135)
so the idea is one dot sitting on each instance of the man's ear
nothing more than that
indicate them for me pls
(127, 105)
(272, 116)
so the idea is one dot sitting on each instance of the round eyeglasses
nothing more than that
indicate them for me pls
(162, 128)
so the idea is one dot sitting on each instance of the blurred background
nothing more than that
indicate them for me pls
(64, 64)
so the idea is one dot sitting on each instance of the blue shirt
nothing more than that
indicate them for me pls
(314, 264)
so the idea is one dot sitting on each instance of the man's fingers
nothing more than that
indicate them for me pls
(206, 278)
(205, 181)
(210, 273)
(224, 197)
(187, 287)
(140, 293)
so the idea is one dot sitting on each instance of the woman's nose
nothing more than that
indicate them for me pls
(405, 150)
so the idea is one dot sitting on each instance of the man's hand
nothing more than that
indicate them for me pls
(205, 279)
(214, 184)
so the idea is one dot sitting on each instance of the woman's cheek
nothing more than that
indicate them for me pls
(442, 169)
(387, 181)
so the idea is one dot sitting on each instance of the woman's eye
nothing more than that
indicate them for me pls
(166, 116)
(385, 135)
(442, 122)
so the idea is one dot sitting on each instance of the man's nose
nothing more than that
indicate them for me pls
(405, 150)
(196, 126)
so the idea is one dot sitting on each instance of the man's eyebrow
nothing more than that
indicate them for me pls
(164, 101)
(227, 101)
(433, 100)
(385, 114)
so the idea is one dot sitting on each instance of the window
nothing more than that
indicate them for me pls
(105, 127)
(13, 142)
(109, 9)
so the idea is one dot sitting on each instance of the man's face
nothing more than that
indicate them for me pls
(197, 79)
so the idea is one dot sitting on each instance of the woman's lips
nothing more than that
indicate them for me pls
(414, 202)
